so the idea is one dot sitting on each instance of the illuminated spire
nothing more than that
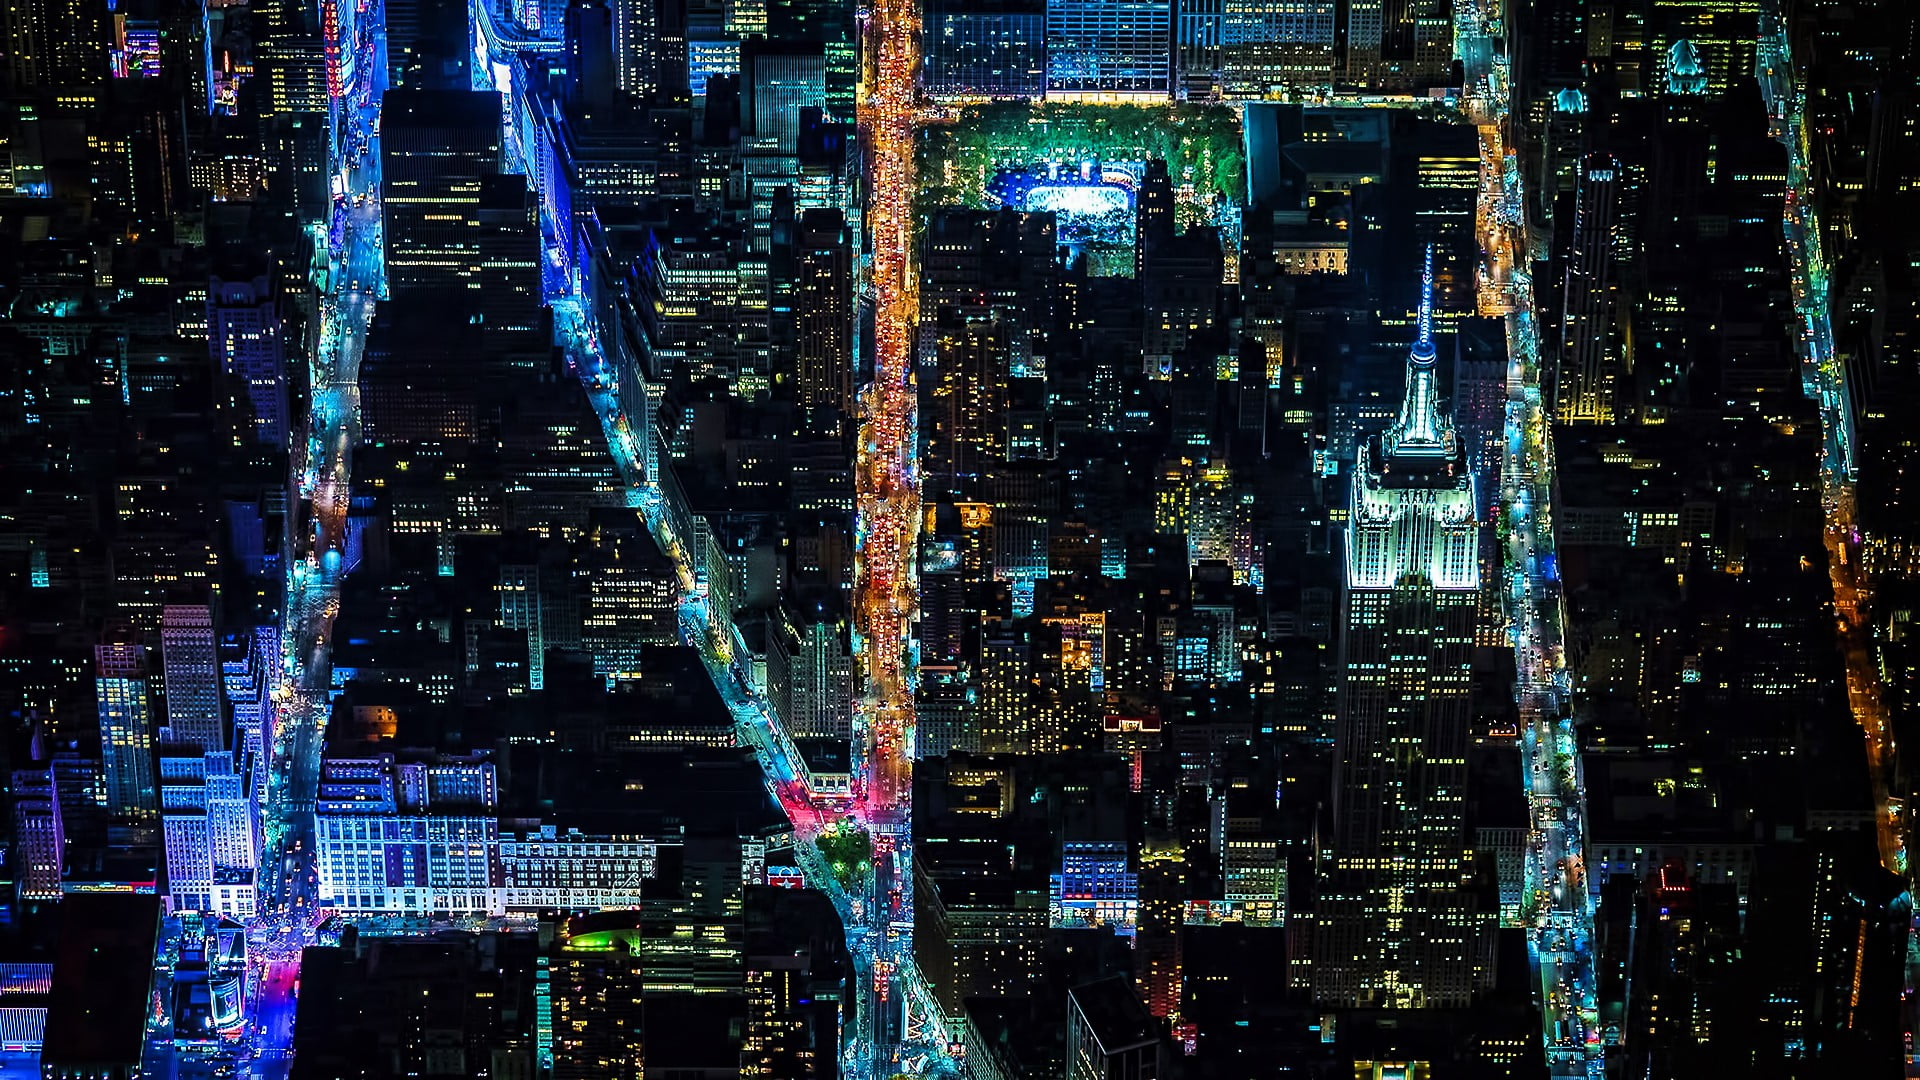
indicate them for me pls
(1422, 430)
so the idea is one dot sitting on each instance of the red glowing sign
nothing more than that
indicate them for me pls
(330, 29)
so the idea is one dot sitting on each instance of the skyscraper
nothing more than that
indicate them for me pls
(1398, 44)
(126, 728)
(248, 342)
(192, 676)
(1109, 49)
(1272, 45)
(1396, 926)
(56, 44)
(636, 48)
(40, 845)
(1590, 342)
(823, 267)
(436, 146)
(591, 67)
(995, 49)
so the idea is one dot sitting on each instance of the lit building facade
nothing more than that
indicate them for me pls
(126, 729)
(212, 839)
(995, 50)
(1397, 927)
(1271, 46)
(191, 667)
(39, 835)
(1094, 888)
(548, 868)
(407, 838)
(1101, 50)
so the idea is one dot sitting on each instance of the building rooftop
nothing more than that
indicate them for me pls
(97, 1008)
(1114, 1014)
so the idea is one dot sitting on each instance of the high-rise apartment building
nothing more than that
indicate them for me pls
(1592, 364)
(1396, 926)
(126, 727)
(190, 665)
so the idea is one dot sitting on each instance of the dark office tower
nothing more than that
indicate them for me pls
(1199, 56)
(1592, 364)
(97, 1010)
(1109, 1035)
(1550, 57)
(1416, 39)
(56, 44)
(508, 283)
(672, 72)
(134, 156)
(435, 147)
(993, 263)
(191, 670)
(1365, 21)
(290, 58)
(1180, 298)
(248, 341)
(823, 313)
(1163, 893)
(1444, 160)
(427, 47)
(796, 964)
(425, 378)
(126, 726)
(779, 79)
(592, 76)
(1396, 926)
(1154, 220)
(964, 415)
(636, 46)
(830, 23)
(994, 49)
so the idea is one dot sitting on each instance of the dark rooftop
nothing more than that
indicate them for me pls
(97, 1011)
(1114, 1014)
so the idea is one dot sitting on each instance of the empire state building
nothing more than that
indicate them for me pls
(1397, 924)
